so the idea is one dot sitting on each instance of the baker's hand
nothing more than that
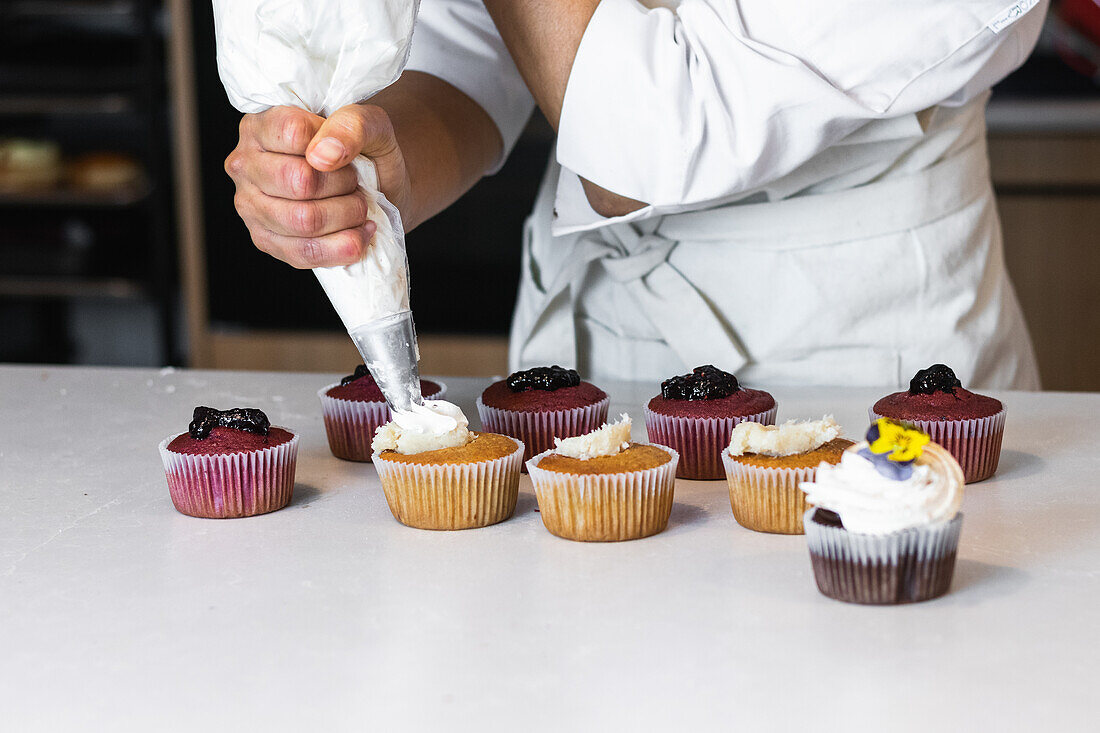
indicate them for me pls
(297, 192)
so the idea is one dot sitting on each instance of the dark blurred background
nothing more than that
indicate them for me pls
(119, 243)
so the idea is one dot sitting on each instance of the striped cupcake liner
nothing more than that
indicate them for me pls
(450, 496)
(537, 430)
(699, 440)
(230, 485)
(605, 507)
(350, 424)
(767, 499)
(975, 443)
(912, 565)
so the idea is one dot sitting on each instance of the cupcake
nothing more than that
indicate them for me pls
(886, 525)
(354, 409)
(230, 463)
(696, 413)
(541, 404)
(767, 464)
(437, 474)
(600, 487)
(968, 424)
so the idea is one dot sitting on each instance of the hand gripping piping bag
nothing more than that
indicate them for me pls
(321, 55)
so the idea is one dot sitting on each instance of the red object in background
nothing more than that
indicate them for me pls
(1078, 36)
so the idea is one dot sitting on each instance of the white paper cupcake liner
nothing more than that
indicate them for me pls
(605, 507)
(231, 485)
(767, 499)
(350, 424)
(912, 565)
(975, 443)
(537, 430)
(451, 496)
(699, 440)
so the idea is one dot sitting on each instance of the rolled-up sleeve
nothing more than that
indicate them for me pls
(693, 104)
(456, 41)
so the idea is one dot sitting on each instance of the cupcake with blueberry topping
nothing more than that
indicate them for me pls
(541, 404)
(230, 463)
(696, 413)
(886, 523)
(355, 407)
(968, 424)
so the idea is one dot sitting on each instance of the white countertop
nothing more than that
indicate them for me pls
(117, 613)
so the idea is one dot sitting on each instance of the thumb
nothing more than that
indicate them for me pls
(356, 129)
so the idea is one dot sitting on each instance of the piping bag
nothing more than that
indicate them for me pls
(321, 55)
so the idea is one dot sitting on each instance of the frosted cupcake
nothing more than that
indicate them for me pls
(886, 525)
(967, 424)
(695, 414)
(355, 407)
(540, 404)
(601, 487)
(230, 463)
(767, 464)
(437, 474)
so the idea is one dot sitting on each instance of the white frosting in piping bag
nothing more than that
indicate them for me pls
(788, 439)
(609, 440)
(434, 425)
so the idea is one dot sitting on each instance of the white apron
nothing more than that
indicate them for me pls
(862, 286)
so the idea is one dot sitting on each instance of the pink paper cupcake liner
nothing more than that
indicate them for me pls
(699, 440)
(233, 484)
(765, 498)
(605, 507)
(975, 443)
(537, 430)
(451, 496)
(350, 424)
(912, 565)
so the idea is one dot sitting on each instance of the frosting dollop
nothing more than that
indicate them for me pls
(869, 502)
(788, 439)
(435, 425)
(609, 440)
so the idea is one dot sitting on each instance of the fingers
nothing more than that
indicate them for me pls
(291, 177)
(281, 129)
(350, 131)
(345, 247)
(314, 218)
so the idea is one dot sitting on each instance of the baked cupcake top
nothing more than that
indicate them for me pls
(605, 450)
(481, 447)
(793, 444)
(709, 392)
(218, 432)
(542, 389)
(361, 387)
(893, 480)
(936, 393)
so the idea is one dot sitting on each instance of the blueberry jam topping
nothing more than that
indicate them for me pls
(936, 378)
(545, 378)
(827, 518)
(360, 372)
(248, 419)
(704, 383)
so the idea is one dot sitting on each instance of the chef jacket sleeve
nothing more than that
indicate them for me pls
(456, 41)
(715, 97)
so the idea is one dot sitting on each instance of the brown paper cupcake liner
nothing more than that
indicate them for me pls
(451, 495)
(230, 485)
(537, 430)
(975, 443)
(767, 499)
(605, 507)
(912, 565)
(699, 440)
(350, 424)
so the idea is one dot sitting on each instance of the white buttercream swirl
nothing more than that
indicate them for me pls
(788, 439)
(870, 503)
(435, 425)
(609, 440)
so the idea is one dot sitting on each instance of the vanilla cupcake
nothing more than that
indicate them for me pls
(886, 525)
(437, 474)
(767, 464)
(601, 487)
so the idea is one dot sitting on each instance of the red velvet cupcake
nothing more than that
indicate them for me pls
(230, 463)
(969, 425)
(355, 407)
(695, 414)
(540, 404)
